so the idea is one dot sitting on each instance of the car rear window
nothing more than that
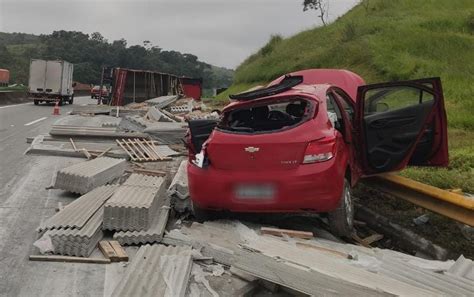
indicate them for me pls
(267, 117)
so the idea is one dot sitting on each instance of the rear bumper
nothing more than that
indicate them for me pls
(312, 187)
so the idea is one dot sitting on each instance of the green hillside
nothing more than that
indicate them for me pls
(391, 40)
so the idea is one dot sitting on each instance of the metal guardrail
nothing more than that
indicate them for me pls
(449, 204)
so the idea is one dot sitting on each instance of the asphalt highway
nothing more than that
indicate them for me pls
(25, 203)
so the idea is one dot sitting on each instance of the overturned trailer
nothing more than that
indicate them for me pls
(130, 85)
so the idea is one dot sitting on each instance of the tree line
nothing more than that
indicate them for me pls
(89, 52)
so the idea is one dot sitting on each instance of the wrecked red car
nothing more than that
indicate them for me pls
(301, 143)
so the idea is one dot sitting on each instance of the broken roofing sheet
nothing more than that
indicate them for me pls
(366, 271)
(157, 270)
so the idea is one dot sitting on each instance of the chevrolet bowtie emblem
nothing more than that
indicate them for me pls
(252, 149)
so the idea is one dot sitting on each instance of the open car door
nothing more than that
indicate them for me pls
(399, 124)
(199, 132)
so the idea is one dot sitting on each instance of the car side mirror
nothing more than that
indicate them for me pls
(381, 107)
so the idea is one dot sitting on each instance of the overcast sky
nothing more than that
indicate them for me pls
(220, 32)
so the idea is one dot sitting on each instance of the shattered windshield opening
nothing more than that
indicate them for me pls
(269, 116)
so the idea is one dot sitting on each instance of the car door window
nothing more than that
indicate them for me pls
(346, 105)
(334, 113)
(394, 98)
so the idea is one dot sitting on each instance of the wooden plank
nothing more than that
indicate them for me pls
(68, 259)
(148, 172)
(104, 152)
(107, 250)
(291, 233)
(86, 153)
(138, 164)
(73, 144)
(119, 251)
(372, 238)
(319, 248)
(360, 241)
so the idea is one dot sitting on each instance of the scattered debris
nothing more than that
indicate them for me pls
(414, 241)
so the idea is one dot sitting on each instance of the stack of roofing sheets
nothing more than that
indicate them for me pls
(150, 235)
(157, 270)
(76, 229)
(83, 177)
(134, 204)
(78, 242)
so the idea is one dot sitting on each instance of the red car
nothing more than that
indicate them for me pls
(301, 143)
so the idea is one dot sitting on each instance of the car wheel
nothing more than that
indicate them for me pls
(60, 102)
(341, 220)
(36, 102)
(201, 215)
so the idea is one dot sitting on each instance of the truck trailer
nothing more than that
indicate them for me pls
(50, 81)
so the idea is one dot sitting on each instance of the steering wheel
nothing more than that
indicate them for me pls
(276, 115)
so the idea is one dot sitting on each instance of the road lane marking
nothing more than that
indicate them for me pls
(7, 106)
(36, 121)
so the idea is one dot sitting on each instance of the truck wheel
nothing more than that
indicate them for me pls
(71, 100)
(60, 102)
(36, 102)
(341, 220)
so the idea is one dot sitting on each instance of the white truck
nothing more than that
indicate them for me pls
(50, 81)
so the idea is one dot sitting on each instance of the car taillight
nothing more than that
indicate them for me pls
(319, 150)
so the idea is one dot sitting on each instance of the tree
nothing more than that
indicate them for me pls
(322, 6)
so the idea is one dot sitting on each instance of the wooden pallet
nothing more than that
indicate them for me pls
(113, 251)
(141, 150)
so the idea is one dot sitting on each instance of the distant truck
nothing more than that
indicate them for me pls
(4, 77)
(50, 81)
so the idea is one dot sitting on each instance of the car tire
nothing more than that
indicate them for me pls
(60, 102)
(36, 102)
(341, 220)
(201, 215)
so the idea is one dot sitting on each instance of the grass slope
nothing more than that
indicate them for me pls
(390, 40)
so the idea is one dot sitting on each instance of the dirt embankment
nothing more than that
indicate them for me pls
(12, 97)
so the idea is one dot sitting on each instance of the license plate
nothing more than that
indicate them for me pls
(255, 191)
